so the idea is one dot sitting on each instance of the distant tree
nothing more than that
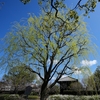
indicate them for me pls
(18, 77)
(93, 81)
(55, 89)
(89, 83)
(85, 82)
(97, 78)
(76, 86)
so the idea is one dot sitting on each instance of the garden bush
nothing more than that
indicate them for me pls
(9, 97)
(4, 96)
(71, 97)
(13, 97)
(34, 92)
(81, 92)
(54, 90)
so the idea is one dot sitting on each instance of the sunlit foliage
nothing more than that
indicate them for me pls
(40, 41)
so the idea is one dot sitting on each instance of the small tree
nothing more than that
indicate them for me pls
(76, 86)
(92, 81)
(55, 89)
(89, 83)
(97, 78)
(18, 77)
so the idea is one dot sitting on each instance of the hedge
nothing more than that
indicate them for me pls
(80, 92)
(71, 97)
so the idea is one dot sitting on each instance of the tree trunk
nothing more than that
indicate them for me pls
(42, 95)
(44, 92)
(16, 90)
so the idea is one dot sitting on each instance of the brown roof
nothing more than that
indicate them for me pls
(67, 78)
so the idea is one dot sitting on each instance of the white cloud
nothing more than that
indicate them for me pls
(54, 62)
(88, 63)
(76, 70)
(53, 78)
(48, 62)
(63, 76)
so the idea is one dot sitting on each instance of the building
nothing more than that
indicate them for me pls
(65, 83)
(5, 87)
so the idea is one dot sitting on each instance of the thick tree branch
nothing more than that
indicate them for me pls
(35, 72)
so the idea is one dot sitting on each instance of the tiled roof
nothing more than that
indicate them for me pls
(67, 78)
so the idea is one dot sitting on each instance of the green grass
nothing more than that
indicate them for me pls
(15, 97)
(33, 97)
(9, 97)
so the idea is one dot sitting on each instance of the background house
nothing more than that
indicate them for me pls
(5, 87)
(69, 83)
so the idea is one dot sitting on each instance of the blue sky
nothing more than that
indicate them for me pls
(14, 10)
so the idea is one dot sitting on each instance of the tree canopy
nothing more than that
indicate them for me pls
(19, 77)
(48, 47)
(93, 81)
(50, 44)
(87, 6)
(97, 78)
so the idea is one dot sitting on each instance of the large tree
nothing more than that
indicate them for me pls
(51, 43)
(49, 46)
(19, 77)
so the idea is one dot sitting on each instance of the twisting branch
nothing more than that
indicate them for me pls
(56, 14)
(28, 68)
(55, 9)
(78, 4)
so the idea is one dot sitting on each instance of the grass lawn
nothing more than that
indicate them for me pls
(17, 97)
(34, 97)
